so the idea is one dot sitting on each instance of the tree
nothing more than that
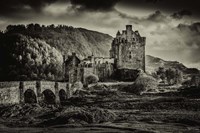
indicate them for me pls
(29, 59)
(161, 73)
(170, 75)
(91, 79)
(195, 80)
(178, 77)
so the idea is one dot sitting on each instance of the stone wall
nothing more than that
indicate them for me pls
(126, 74)
(103, 71)
(9, 92)
(132, 56)
(87, 72)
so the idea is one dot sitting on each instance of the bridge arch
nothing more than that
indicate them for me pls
(49, 97)
(62, 96)
(30, 96)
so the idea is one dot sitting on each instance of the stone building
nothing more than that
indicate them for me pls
(127, 57)
(128, 51)
(100, 66)
(73, 71)
(77, 70)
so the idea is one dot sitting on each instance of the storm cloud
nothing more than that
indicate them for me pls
(181, 14)
(191, 37)
(94, 5)
(9, 7)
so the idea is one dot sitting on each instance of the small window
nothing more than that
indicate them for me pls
(130, 55)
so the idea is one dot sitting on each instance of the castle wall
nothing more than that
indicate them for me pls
(87, 72)
(132, 56)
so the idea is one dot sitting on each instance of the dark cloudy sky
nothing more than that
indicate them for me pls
(172, 27)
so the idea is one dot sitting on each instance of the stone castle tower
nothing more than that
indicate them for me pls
(128, 50)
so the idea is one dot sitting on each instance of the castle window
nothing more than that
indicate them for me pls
(130, 55)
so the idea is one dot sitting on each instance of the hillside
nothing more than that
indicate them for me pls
(25, 58)
(67, 39)
(153, 63)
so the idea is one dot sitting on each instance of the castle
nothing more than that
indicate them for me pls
(127, 57)
(128, 49)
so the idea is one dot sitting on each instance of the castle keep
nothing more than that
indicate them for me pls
(127, 57)
(128, 50)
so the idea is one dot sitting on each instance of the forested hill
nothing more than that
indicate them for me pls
(67, 39)
(34, 52)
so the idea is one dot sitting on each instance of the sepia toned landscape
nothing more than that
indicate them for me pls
(124, 70)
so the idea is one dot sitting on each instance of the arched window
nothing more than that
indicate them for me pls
(130, 55)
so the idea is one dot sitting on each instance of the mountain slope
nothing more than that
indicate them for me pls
(153, 63)
(67, 39)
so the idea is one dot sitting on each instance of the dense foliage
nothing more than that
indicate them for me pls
(25, 58)
(66, 38)
(172, 76)
(92, 79)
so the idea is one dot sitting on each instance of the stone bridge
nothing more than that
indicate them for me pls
(34, 92)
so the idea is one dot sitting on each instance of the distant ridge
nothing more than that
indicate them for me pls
(153, 63)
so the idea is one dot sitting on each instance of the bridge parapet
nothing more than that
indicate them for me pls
(48, 85)
(29, 85)
(9, 84)
(62, 85)
(15, 91)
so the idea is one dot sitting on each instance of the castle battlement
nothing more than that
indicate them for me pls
(129, 36)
